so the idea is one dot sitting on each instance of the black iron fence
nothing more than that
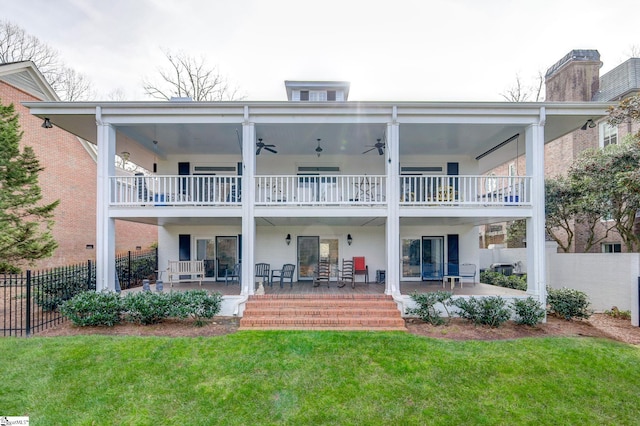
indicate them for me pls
(30, 302)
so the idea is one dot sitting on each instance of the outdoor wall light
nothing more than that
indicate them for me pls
(590, 124)
(47, 124)
(288, 239)
(349, 239)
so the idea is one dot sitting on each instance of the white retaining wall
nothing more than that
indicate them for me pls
(609, 279)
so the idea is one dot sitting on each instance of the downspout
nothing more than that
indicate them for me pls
(242, 301)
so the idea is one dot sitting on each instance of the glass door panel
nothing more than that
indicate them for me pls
(307, 188)
(205, 250)
(308, 256)
(227, 254)
(411, 258)
(432, 258)
(329, 250)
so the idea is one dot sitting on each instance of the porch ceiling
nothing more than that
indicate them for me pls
(327, 221)
(322, 221)
(453, 129)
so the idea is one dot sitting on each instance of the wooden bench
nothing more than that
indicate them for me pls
(185, 267)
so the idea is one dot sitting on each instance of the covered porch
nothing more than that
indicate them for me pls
(407, 288)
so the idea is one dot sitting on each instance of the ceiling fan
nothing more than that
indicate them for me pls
(268, 147)
(379, 146)
(319, 149)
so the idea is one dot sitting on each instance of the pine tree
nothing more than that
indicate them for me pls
(25, 224)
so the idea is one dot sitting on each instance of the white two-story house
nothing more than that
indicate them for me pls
(289, 182)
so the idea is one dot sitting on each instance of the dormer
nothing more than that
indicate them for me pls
(317, 91)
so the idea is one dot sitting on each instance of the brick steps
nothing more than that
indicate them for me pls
(322, 312)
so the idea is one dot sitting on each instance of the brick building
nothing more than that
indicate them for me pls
(576, 78)
(69, 173)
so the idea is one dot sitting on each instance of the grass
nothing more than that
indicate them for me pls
(253, 378)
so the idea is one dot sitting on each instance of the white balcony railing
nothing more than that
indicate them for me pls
(321, 190)
(175, 190)
(465, 190)
(336, 190)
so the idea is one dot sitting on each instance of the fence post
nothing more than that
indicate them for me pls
(28, 319)
(88, 274)
(129, 271)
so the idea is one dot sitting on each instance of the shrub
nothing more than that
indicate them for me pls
(491, 311)
(146, 307)
(512, 281)
(426, 310)
(528, 311)
(197, 304)
(568, 303)
(617, 313)
(60, 285)
(91, 308)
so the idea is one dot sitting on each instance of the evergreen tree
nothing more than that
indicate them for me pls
(25, 225)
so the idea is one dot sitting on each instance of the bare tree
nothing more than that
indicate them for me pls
(73, 86)
(187, 76)
(634, 51)
(519, 93)
(16, 45)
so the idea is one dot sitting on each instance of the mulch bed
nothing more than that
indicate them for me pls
(599, 325)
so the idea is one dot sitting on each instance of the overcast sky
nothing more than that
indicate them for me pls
(429, 50)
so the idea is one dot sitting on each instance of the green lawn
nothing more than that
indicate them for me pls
(297, 378)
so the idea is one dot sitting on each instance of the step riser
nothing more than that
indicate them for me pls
(390, 322)
(295, 312)
(325, 312)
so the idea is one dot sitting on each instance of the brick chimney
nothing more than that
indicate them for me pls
(574, 78)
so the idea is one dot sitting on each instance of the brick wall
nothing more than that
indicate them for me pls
(70, 176)
(577, 81)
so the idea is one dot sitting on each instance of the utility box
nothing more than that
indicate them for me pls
(502, 268)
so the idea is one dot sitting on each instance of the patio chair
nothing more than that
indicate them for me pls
(467, 270)
(231, 274)
(262, 272)
(361, 268)
(323, 273)
(345, 275)
(286, 273)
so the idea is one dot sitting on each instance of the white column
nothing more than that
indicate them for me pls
(105, 230)
(536, 261)
(393, 198)
(248, 200)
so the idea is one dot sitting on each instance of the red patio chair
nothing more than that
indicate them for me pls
(361, 268)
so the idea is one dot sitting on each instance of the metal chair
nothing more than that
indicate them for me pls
(262, 272)
(286, 273)
(232, 273)
(346, 274)
(323, 273)
(467, 270)
(361, 268)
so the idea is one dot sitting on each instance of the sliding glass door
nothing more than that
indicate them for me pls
(226, 254)
(432, 258)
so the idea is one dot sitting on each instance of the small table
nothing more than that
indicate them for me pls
(452, 280)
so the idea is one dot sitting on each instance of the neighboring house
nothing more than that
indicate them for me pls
(69, 173)
(576, 78)
(400, 183)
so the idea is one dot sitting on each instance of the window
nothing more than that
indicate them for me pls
(304, 95)
(611, 247)
(608, 135)
(331, 95)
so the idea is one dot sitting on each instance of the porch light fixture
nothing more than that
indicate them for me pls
(47, 124)
(125, 156)
(349, 239)
(288, 239)
(500, 145)
(589, 123)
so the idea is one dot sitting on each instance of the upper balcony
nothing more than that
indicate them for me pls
(342, 191)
